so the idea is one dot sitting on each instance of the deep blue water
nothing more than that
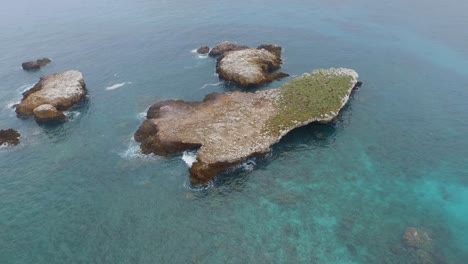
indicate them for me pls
(345, 193)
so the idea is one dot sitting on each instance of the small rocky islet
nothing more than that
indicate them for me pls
(35, 65)
(244, 66)
(47, 99)
(52, 95)
(228, 128)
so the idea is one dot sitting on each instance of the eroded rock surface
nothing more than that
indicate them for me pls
(250, 67)
(48, 112)
(224, 47)
(247, 67)
(230, 127)
(35, 65)
(9, 137)
(52, 95)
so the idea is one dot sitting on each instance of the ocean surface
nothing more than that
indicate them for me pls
(80, 192)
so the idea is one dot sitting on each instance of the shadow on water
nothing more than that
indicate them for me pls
(59, 131)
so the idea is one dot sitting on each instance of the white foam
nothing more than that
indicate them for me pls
(189, 157)
(26, 87)
(10, 147)
(134, 152)
(248, 165)
(72, 114)
(200, 56)
(117, 86)
(210, 84)
(11, 104)
(23, 88)
(142, 115)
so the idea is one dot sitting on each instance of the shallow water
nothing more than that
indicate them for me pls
(345, 193)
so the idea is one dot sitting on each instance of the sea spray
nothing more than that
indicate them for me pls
(142, 115)
(133, 151)
(200, 56)
(189, 157)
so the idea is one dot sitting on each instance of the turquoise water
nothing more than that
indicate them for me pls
(345, 193)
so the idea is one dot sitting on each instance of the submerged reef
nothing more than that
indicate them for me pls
(419, 246)
(228, 128)
(52, 95)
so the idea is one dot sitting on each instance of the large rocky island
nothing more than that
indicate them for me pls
(52, 95)
(228, 128)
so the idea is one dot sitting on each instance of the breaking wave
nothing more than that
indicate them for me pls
(200, 56)
(117, 86)
(71, 114)
(25, 87)
(189, 157)
(210, 84)
(142, 115)
(134, 152)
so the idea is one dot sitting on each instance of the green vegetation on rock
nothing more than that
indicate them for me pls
(312, 96)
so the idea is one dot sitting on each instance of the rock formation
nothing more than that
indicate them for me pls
(247, 67)
(52, 95)
(224, 47)
(203, 50)
(9, 137)
(250, 67)
(231, 127)
(48, 112)
(35, 65)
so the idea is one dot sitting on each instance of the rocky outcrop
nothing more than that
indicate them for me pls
(52, 95)
(224, 47)
(231, 127)
(250, 67)
(35, 65)
(9, 137)
(203, 50)
(48, 112)
(247, 67)
(357, 86)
